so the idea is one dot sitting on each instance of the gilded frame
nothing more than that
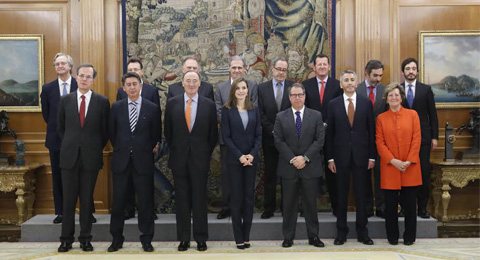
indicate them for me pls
(21, 72)
(435, 47)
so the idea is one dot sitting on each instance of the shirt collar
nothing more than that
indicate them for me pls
(414, 83)
(186, 97)
(320, 80)
(138, 101)
(68, 81)
(301, 110)
(87, 95)
(275, 82)
(369, 85)
(354, 97)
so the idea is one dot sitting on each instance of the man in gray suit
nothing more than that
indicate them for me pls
(299, 136)
(372, 89)
(83, 127)
(236, 70)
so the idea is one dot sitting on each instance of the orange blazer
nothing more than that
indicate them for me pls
(398, 136)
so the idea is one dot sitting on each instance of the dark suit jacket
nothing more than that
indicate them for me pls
(240, 141)
(312, 100)
(310, 143)
(344, 141)
(205, 90)
(268, 108)
(141, 142)
(149, 92)
(50, 98)
(196, 146)
(424, 104)
(380, 104)
(91, 138)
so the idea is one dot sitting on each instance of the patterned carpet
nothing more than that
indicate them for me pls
(423, 249)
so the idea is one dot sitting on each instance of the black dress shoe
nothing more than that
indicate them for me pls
(155, 217)
(380, 213)
(116, 244)
(184, 245)
(401, 213)
(266, 215)
(129, 215)
(369, 213)
(93, 219)
(241, 247)
(393, 242)
(202, 246)
(225, 213)
(86, 246)
(423, 214)
(315, 241)
(64, 247)
(366, 241)
(287, 243)
(246, 245)
(338, 241)
(408, 243)
(147, 246)
(58, 219)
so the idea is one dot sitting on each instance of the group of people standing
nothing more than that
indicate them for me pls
(322, 126)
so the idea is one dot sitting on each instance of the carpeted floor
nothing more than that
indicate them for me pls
(423, 249)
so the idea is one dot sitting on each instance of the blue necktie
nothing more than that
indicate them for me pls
(298, 124)
(410, 95)
(64, 92)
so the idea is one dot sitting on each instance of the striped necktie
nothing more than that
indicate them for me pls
(133, 116)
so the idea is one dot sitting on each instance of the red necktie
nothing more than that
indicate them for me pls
(82, 110)
(371, 96)
(322, 90)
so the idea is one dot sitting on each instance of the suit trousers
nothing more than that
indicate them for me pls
(242, 185)
(359, 186)
(291, 189)
(130, 200)
(77, 182)
(331, 181)
(408, 196)
(374, 191)
(143, 186)
(423, 192)
(224, 174)
(191, 200)
(270, 155)
(56, 181)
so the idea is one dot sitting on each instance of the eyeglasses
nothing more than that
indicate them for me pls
(85, 76)
(60, 63)
(301, 95)
(281, 69)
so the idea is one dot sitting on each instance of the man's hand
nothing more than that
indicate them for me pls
(155, 149)
(371, 164)
(244, 160)
(434, 144)
(331, 166)
(299, 162)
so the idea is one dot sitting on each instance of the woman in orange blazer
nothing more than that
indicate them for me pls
(398, 139)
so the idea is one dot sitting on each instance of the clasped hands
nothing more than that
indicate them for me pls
(400, 165)
(299, 162)
(246, 160)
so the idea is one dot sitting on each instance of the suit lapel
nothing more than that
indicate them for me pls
(305, 122)
(270, 94)
(141, 116)
(90, 109)
(285, 99)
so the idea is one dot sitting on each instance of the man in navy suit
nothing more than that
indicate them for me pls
(150, 93)
(320, 90)
(135, 133)
(205, 89)
(191, 133)
(351, 151)
(420, 98)
(272, 98)
(83, 127)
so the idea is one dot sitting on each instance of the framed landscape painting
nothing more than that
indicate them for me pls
(449, 61)
(21, 72)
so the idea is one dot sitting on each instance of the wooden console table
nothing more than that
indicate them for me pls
(458, 174)
(20, 179)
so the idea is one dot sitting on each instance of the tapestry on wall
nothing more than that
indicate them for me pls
(163, 32)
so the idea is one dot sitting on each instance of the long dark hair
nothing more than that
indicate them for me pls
(232, 100)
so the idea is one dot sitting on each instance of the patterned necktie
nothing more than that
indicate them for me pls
(188, 114)
(298, 124)
(351, 111)
(410, 95)
(371, 96)
(133, 116)
(278, 96)
(64, 92)
(322, 91)
(82, 110)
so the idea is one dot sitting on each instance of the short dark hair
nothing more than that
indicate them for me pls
(87, 65)
(320, 56)
(296, 85)
(232, 100)
(407, 61)
(274, 62)
(130, 75)
(373, 65)
(134, 60)
(189, 58)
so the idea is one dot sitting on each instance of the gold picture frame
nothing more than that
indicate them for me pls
(21, 72)
(449, 61)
